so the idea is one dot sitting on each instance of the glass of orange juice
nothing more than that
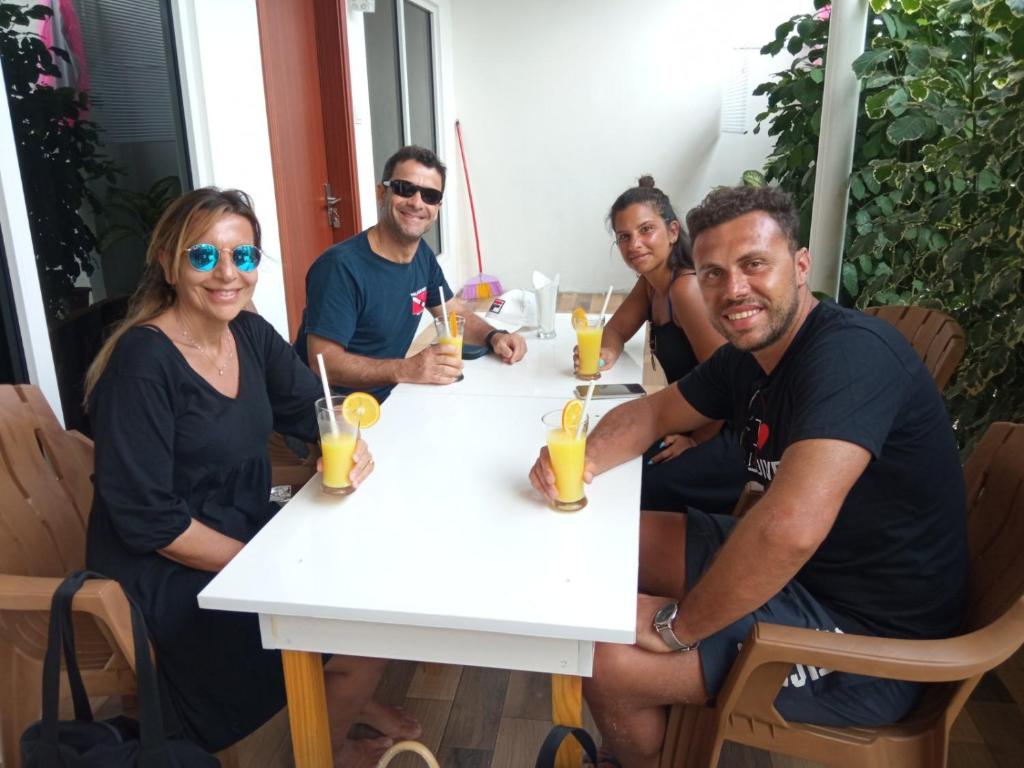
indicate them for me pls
(337, 444)
(588, 345)
(567, 448)
(450, 334)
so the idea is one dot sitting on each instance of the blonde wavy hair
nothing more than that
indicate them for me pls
(180, 226)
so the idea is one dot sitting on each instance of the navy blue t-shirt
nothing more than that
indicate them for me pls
(367, 304)
(896, 558)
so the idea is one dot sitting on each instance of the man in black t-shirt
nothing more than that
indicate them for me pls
(862, 527)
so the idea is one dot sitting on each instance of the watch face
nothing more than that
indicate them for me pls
(666, 613)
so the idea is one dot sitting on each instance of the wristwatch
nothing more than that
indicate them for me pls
(663, 619)
(491, 335)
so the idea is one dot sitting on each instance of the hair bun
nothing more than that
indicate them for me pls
(645, 182)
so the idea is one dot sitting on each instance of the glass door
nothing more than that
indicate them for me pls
(401, 56)
(96, 114)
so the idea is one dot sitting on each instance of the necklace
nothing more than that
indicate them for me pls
(190, 340)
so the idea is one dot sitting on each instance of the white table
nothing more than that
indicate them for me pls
(446, 554)
(546, 371)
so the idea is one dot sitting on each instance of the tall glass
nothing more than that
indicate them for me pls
(547, 299)
(337, 444)
(588, 343)
(567, 451)
(444, 335)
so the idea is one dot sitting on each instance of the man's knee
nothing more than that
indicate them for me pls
(614, 668)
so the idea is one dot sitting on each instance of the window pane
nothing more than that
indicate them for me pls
(419, 63)
(97, 122)
(385, 85)
(420, 74)
(12, 358)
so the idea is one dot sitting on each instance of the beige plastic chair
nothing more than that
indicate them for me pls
(46, 491)
(935, 336)
(993, 631)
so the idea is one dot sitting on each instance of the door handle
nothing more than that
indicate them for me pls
(333, 217)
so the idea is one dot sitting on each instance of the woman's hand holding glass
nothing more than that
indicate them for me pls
(362, 463)
(605, 361)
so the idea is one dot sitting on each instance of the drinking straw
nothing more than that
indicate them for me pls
(586, 408)
(604, 308)
(444, 311)
(327, 393)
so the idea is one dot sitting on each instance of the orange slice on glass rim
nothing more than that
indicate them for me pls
(572, 413)
(360, 409)
(579, 318)
(453, 326)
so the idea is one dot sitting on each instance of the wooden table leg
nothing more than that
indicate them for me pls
(567, 709)
(307, 709)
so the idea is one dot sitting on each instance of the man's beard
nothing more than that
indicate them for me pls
(780, 321)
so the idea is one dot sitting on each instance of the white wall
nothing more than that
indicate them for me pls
(564, 104)
(225, 114)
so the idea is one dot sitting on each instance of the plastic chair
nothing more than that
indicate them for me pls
(935, 336)
(46, 487)
(993, 631)
(47, 492)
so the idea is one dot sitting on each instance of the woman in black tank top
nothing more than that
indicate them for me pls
(702, 469)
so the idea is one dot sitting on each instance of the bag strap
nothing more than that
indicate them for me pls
(61, 637)
(408, 746)
(555, 737)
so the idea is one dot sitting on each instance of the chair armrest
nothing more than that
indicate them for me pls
(926, 661)
(102, 598)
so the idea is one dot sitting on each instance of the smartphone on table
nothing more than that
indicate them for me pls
(611, 391)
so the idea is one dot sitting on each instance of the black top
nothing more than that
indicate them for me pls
(670, 345)
(169, 448)
(896, 558)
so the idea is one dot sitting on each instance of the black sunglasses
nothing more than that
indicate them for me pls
(404, 188)
(203, 257)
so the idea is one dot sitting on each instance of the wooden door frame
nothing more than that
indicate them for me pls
(324, 132)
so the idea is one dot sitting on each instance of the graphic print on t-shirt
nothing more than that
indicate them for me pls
(755, 438)
(419, 301)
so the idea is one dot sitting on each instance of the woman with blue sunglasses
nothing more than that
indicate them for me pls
(183, 398)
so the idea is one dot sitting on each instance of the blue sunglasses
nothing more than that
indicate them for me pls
(203, 257)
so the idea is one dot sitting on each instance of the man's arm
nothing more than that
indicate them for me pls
(773, 541)
(347, 369)
(624, 433)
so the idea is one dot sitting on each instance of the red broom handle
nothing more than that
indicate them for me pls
(469, 189)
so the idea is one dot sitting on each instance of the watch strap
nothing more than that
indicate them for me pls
(491, 335)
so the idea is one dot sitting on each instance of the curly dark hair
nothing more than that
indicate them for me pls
(727, 203)
(646, 193)
(421, 155)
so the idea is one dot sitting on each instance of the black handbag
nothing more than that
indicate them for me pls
(555, 737)
(88, 743)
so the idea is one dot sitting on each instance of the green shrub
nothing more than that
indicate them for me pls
(936, 211)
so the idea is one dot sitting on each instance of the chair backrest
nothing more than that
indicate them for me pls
(994, 474)
(935, 336)
(45, 486)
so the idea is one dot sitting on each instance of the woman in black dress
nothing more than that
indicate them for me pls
(704, 469)
(183, 398)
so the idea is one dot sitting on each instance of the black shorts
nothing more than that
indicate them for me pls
(809, 694)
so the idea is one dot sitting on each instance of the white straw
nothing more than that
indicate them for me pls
(586, 408)
(604, 309)
(444, 311)
(327, 393)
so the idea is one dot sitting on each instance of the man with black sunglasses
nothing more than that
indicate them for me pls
(861, 529)
(365, 297)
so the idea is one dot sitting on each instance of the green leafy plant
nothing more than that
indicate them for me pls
(130, 215)
(936, 212)
(58, 155)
